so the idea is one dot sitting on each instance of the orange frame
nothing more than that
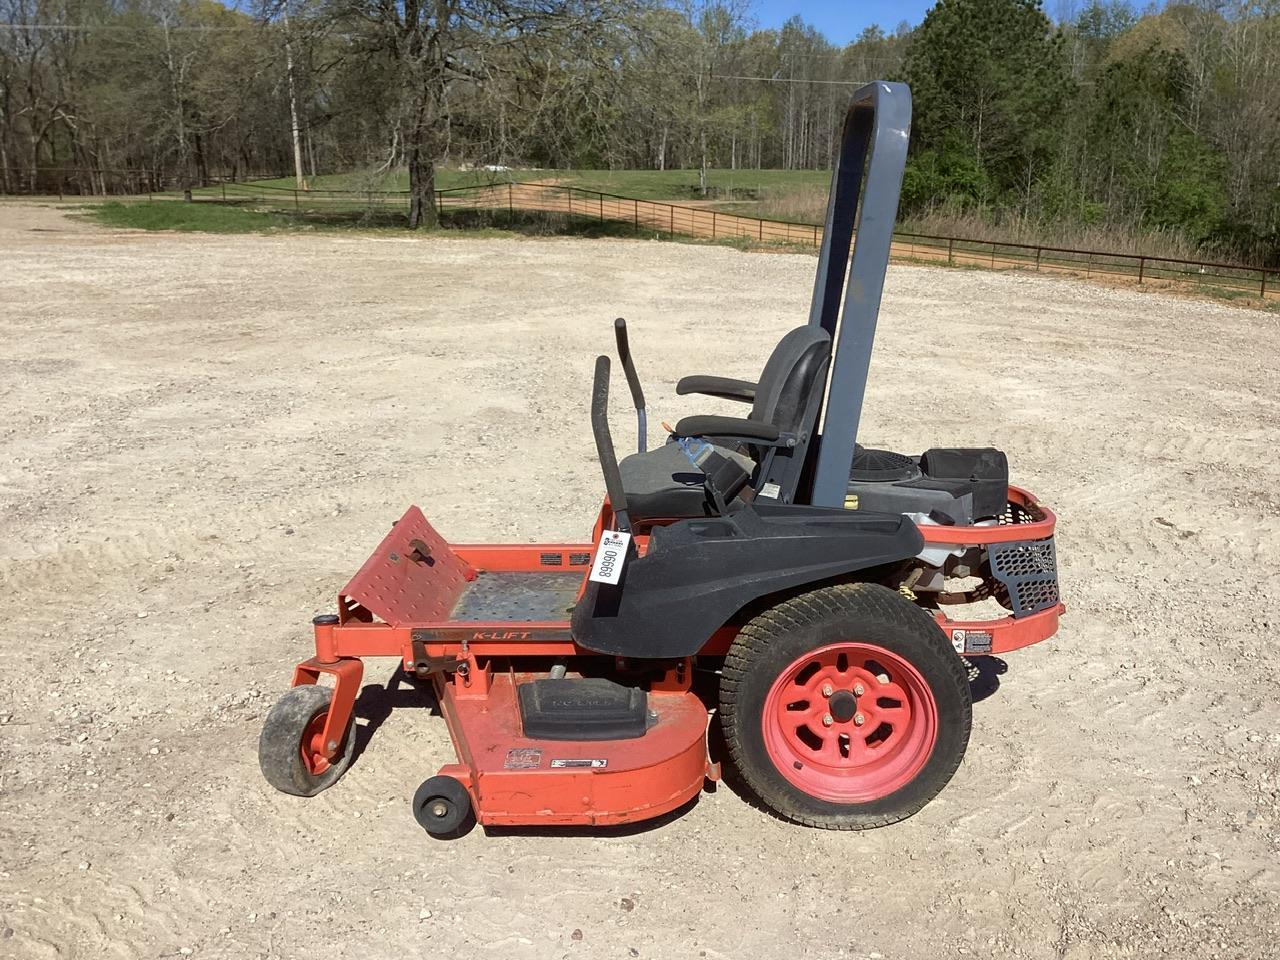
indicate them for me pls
(441, 638)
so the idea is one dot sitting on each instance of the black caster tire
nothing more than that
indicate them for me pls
(845, 708)
(286, 751)
(442, 807)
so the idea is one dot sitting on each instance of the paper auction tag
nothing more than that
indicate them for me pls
(610, 556)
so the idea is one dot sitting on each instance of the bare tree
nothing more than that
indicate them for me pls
(438, 45)
(717, 25)
(299, 179)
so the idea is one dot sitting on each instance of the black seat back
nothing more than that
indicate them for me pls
(789, 395)
(789, 378)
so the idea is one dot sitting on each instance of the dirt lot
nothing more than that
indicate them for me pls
(204, 436)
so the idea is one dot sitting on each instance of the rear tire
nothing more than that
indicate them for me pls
(812, 747)
(288, 746)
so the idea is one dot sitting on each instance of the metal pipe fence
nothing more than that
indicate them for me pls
(707, 222)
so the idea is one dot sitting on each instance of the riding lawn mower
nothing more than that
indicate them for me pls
(766, 573)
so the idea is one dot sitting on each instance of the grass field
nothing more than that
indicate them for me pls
(198, 217)
(741, 185)
(252, 217)
(795, 198)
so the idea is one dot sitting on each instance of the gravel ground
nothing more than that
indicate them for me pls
(204, 436)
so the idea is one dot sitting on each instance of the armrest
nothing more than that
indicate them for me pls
(734, 428)
(722, 387)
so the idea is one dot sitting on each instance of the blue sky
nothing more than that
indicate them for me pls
(841, 20)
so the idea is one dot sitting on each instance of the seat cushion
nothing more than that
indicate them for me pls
(663, 483)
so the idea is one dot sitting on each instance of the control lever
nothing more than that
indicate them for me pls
(633, 381)
(604, 445)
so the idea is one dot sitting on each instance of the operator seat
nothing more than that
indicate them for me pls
(665, 484)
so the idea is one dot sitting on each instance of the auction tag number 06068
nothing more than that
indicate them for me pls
(610, 556)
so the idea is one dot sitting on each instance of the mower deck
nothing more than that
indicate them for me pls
(518, 780)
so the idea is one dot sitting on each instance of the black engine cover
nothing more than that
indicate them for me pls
(984, 472)
(952, 485)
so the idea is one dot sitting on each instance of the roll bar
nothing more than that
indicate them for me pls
(873, 154)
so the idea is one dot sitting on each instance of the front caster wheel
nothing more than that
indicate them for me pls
(845, 708)
(290, 749)
(442, 807)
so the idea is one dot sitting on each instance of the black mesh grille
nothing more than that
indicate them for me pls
(1028, 569)
(1023, 559)
(1015, 513)
(1034, 595)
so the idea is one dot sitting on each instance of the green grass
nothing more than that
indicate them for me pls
(739, 185)
(254, 217)
(175, 215)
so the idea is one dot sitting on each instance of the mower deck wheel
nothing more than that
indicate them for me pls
(845, 707)
(442, 807)
(289, 749)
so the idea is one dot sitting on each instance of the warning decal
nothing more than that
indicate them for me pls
(523, 758)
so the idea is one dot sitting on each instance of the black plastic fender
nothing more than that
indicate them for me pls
(698, 573)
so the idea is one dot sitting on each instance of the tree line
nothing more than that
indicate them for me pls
(1165, 120)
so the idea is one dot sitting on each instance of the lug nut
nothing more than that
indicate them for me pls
(331, 746)
(439, 808)
(827, 721)
(858, 690)
(859, 719)
(826, 690)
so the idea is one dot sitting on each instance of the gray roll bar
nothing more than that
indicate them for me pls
(873, 154)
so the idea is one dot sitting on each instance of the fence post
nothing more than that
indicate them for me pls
(602, 208)
(635, 214)
(295, 199)
(672, 210)
(1038, 259)
(713, 224)
(1142, 268)
(761, 222)
(511, 204)
(1088, 265)
(1263, 292)
(570, 191)
(951, 251)
(815, 234)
